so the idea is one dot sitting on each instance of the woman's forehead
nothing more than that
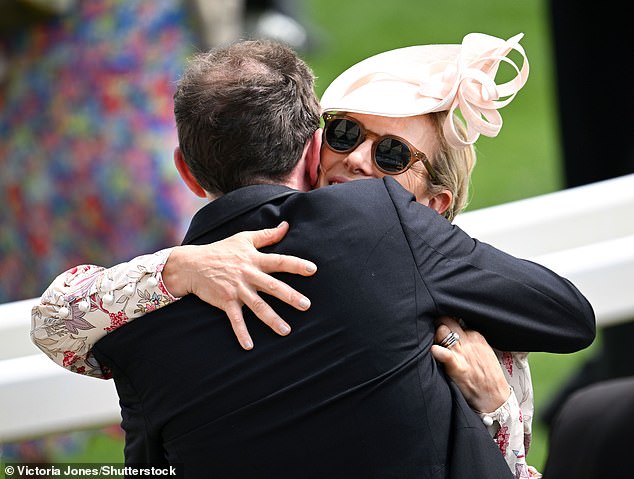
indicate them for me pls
(393, 124)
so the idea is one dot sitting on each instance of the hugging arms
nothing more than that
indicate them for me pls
(126, 291)
(421, 149)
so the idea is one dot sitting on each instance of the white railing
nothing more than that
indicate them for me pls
(37, 396)
(585, 234)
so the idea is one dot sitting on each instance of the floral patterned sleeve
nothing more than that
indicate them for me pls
(511, 424)
(87, 302)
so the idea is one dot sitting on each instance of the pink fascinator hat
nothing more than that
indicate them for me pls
(429, 78)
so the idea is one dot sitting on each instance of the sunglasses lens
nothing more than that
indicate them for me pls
(392, 155)
(342, 134)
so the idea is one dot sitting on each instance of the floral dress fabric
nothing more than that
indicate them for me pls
(87, 302)
(511, 423)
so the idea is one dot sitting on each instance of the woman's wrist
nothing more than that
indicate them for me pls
(172, 274)
(489, 416)
(491, 399)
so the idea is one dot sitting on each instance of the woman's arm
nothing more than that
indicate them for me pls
(85, 303)
(497, 385)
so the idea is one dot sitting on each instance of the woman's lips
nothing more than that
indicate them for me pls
(335, 180)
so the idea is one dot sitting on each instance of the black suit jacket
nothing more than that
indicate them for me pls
(354, 390)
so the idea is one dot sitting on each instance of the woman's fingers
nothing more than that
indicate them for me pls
(281, 263)
(246, 293)
(268, 236)
(447, 324)
(262, 310)
(277, 263)
(442, 330)
(234, 313)
(265, 313)
(442, 355)
(229, 273)
(279, 289)
(472, 365)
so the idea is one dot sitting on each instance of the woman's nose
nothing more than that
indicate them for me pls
(359, 160)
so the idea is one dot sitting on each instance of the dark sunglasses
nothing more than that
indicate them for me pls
(391, 155)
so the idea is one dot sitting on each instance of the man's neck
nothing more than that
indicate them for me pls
(299, 178)
(293, 184)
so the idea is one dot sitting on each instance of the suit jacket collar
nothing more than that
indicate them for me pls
(231, 205)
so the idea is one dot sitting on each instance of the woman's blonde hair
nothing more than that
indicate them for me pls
(452, 166)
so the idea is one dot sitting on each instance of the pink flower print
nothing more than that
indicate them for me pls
(163, 288)
(502, 438)
(507, 359)
(69, 358)
(116, 320)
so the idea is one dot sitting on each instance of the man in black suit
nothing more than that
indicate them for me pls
(353, 391)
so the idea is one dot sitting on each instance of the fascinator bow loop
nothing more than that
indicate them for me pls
(474, 91)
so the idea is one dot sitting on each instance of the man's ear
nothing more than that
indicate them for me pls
(186, 175)
(313, 157)
(441, 201)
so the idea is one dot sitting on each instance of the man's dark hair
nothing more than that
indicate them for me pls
(244, 113)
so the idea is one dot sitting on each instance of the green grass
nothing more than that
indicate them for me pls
(523, 161)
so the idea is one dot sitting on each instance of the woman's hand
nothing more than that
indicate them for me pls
(473, 366)
(229, 273)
